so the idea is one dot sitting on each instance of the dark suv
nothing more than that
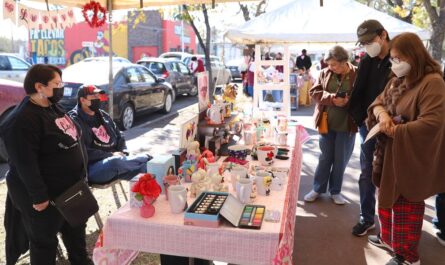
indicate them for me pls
(135, 89)
(174, 72)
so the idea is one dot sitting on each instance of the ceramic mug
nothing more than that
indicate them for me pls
(266, 155)
(281, 138)
(236, 173)
(238, 152)
(168, 181)
(212, 168)
(249, 137)
(178, 198)
(263, 180)
(244, 189)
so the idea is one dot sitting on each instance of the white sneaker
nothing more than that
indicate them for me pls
(311, 196)
(338, 199)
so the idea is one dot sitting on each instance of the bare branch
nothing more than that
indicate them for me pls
(259, 9)
(245, 11)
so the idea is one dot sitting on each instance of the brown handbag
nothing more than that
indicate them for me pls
(323, 123)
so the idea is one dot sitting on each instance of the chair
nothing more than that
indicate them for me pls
(111, 184)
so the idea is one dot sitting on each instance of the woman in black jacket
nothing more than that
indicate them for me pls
(45, 160)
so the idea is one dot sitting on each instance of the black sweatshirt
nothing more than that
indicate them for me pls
(372, 76)
(44, 155)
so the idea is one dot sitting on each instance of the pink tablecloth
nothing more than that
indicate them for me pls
(125, 232)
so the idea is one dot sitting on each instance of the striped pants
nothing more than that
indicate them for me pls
(401, 227)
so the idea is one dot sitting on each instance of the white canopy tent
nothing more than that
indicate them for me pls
(305, 21)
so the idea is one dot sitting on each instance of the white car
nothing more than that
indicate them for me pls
(220, 73)
(12, 67)
(180, 56)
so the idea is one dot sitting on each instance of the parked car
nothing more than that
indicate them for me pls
(135, 89)
(220, 74)
(106, 59)
(11, 93)
(12, 67)
(180, 56)
(174, 72)
(234, 67)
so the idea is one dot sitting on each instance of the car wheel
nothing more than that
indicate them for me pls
(168, 103)
(193, 91)
(174, 94)
(127, 117)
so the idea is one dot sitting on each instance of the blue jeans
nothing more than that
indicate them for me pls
(439, 221)
(336, 150)
(366, 187)
(250, 91)
(121, 167)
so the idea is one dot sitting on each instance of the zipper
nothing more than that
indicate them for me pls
(79, 193)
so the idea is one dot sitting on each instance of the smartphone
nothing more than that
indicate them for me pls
(341, 94)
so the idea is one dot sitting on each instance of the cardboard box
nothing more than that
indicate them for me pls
(159, 166)
(205, 218)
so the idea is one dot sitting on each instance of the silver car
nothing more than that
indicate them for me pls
(12, 67)
(220, 73)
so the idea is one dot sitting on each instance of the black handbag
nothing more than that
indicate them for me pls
(77, 203)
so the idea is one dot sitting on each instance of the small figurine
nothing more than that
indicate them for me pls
(253, 194)
(193, 151)
(205, 158)
(199, 183)
(217, 183)
(187, 169)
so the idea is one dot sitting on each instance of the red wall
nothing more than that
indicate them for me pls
(172, 40)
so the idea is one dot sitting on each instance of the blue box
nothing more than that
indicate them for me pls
(191, 217)
(159, 166)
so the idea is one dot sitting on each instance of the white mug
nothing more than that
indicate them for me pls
(212, 168)
(244, 189)
(236, 173)
(177, 198)
(263, 182)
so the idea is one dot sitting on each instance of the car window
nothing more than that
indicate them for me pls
(4, 64)
(133, 75)
(183, 69)
(119, 81)
(147, 76)
(17, 64)
(157, 68)
(175, 67)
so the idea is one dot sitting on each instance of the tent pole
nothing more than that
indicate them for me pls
(110, 54)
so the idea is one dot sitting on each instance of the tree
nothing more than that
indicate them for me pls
(254, 9)
(205, 46)
(422, 13)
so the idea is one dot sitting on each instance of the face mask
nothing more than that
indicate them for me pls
(401, 68)
(57, 95)
(95, 105)
(373, 49)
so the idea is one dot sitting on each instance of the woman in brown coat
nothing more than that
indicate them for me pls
(331, 92)
(410, 154)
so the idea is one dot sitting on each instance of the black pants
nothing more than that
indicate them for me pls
(42, 229)
(177, 260)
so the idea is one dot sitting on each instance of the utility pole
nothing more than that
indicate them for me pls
(110, 57)
(182, 30)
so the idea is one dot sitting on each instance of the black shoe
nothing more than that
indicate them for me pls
(399, 260)
(377, 241)
(441, 238)
(362, 228)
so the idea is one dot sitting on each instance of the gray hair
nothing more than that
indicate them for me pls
(337, 53)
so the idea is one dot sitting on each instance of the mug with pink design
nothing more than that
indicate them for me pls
(168, 181)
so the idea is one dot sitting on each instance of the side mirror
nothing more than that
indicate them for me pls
(160, 80)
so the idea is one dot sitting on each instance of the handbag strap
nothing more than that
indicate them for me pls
(79, 143)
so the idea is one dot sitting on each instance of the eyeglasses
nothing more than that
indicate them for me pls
(395, 60)
(60, 84)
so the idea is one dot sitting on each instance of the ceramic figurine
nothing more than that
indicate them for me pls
(205, 158)
(253, 194)
(217, 183)
(187, 169)
(193, 151)
(199, 183)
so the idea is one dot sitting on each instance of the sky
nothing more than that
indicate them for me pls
(222, 20)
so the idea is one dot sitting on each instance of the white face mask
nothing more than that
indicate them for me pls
(401, 68)
(373, 49)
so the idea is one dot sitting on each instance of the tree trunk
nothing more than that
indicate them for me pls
(437, 18)
(204, 46)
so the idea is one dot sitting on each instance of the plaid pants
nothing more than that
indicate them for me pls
(401, 227)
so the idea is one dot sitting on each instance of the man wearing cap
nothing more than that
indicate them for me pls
(373, 73)
(107, 156)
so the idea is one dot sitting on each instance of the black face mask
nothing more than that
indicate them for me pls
(95, 105)
(57, 95)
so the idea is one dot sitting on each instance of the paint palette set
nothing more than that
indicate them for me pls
(205, 210)
(243, 216)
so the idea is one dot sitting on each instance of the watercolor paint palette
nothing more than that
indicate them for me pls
(206, 209)
(243, 216)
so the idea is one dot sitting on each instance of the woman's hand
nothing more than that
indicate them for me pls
(386, 124)
(340, 102)
(41, 206)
